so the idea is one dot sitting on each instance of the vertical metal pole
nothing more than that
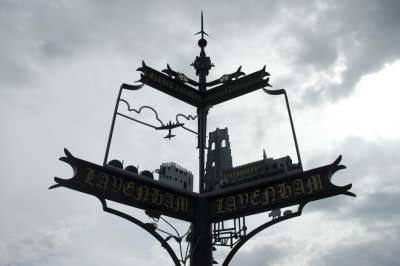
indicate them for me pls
(201, 248)
(202, 252)
(202, 128)
(293, 132)
(202, 239)
(112, 126)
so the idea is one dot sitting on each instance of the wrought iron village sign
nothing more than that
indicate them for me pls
(227, 193)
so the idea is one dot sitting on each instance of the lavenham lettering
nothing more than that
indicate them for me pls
(89, 177)
(136, 192)
(231, 204)
(168, 200)
(298, 187)
(117, 184)
(269, 195)
(157, 197)
(255, 198)
(128, 188)
(103, 181)
(142, 193)
(220, 205)
(284, 191)
(243, 200)
(181, 204)
(314, 184)
(272, 194)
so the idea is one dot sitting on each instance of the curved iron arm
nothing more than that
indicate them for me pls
(126, 87)
(283, 91)
(146, 227)
(245, 238)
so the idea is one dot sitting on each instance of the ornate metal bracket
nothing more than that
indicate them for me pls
(149, 227)
(228, 236)
(247, 237)
(279, 92)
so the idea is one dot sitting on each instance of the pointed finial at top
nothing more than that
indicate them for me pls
(202, 64)
(202, 27)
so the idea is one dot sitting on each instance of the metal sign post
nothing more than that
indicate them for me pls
(227, 193)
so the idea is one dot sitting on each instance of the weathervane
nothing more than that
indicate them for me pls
(226, 192)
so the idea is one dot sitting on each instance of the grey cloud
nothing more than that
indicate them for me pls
(381, 250)
(375, 208)
(365, 34)
(29, 249)
(259, 257)
(276, 249)
(313, 37)
(373, 170)
(369, 163)
(37, 34)
(316, 32)
(46, 242)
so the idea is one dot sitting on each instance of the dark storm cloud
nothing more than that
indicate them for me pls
(310, 36)
(363, 32)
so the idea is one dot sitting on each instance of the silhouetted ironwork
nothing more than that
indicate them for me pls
(234, 192)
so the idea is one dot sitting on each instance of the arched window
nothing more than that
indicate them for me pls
(223, 143)
(213, 146)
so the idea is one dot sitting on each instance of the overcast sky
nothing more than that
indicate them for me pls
(62, 63)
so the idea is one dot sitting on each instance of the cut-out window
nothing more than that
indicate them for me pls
(223, 143)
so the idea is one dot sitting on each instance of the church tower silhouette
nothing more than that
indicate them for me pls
(219, 157)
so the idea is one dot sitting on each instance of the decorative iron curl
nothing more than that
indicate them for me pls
(140, 110)
(190, 117)
(178, 238)
(146, 226)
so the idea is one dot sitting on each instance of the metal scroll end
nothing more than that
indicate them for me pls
(69, 157)
(55, 186)
(60, 183)
(168, 71)
(348, 193)
(131, 87)
(265, 73)
(142, 68)
(336, 166)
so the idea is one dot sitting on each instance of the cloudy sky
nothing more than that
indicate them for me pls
(62, 63)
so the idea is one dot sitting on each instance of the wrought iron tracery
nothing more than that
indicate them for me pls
(236, 236)
(206, 210)
(257, 230)
(146, 226)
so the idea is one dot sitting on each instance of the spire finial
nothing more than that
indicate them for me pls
(202, 27)
(202, 64)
